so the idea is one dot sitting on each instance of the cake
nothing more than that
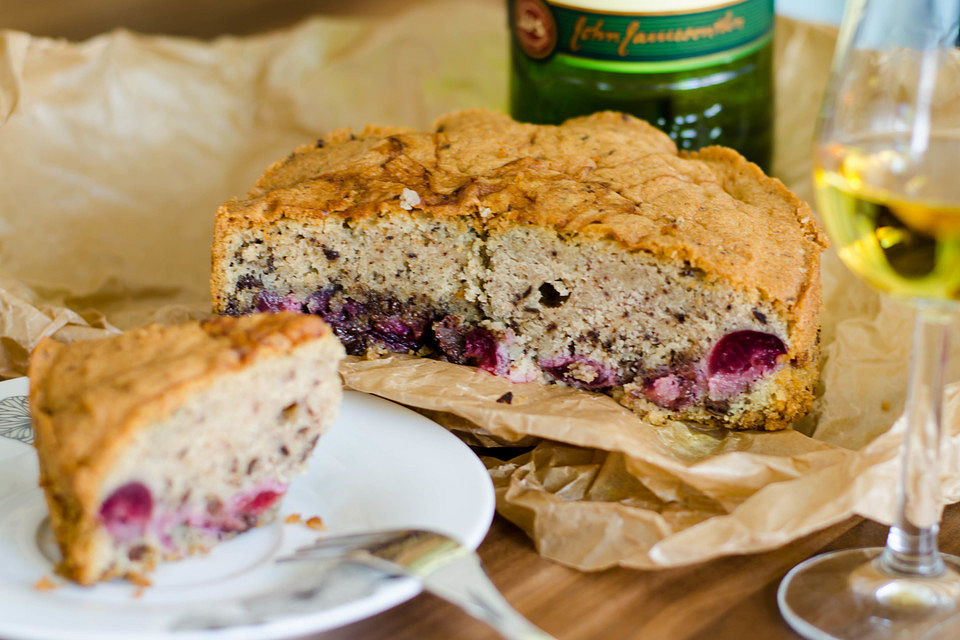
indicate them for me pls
(157, 443)
(592, 254)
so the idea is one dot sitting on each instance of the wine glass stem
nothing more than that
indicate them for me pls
(911, 548)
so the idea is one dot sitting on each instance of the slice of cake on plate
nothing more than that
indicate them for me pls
(159, 442)
(592, 254)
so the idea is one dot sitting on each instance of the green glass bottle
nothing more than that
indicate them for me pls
(700, 70)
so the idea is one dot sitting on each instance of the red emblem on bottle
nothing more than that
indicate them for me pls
(535, 28)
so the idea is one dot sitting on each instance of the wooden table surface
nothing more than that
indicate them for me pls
(727, 599)
(731, 598)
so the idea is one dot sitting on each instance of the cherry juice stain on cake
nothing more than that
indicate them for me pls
(396, 334)
(259, 502)
(269, 301)
(581, 372)
(126, 511)
(484, 351)
(740, 358)
(407, 328)
(674, 389)
(379, 321)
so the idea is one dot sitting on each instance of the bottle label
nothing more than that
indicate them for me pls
(639, 35)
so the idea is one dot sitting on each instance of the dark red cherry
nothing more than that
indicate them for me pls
(745, 351)
(480, 348)
(131, 504)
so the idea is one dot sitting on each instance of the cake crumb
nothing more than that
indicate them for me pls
(316, 522)
(45, 584)
(582, 371)
(885, 405)
(140, 580)
(506, 398)
(293, 518)
(409, 199)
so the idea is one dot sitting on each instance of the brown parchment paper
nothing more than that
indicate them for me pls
(115, 152)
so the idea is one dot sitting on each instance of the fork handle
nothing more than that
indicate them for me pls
(464, 583)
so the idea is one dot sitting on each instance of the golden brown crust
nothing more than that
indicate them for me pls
(604, 175)
(88, 398)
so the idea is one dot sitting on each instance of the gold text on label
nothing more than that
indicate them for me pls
(586, 31)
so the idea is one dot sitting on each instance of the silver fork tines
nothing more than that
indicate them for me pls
(445, 568)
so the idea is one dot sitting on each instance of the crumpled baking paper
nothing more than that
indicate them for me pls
(115, 152)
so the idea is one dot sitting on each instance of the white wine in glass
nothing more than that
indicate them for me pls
(887, 175)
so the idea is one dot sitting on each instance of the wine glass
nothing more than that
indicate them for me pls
(887, 174)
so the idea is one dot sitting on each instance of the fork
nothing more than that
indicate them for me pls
(444, 567)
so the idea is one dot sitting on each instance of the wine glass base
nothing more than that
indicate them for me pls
(844, 596)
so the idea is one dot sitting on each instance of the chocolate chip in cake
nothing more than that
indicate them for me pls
(310, 445)
(717, 407)
(760, 316)
(506, 398)
(249, 281)
(289, 412)
(550, 297)
(284, 451)
(214, 506)
(450, 335)
(136, 553)
(330, 254)
(681, 318)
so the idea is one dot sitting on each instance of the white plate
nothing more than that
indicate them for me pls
(380, 466)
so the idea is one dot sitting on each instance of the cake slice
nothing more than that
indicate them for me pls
(590, 254)
(159, 442)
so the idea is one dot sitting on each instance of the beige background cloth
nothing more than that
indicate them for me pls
(115, 152)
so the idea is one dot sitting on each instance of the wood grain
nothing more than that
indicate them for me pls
(727, 599)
